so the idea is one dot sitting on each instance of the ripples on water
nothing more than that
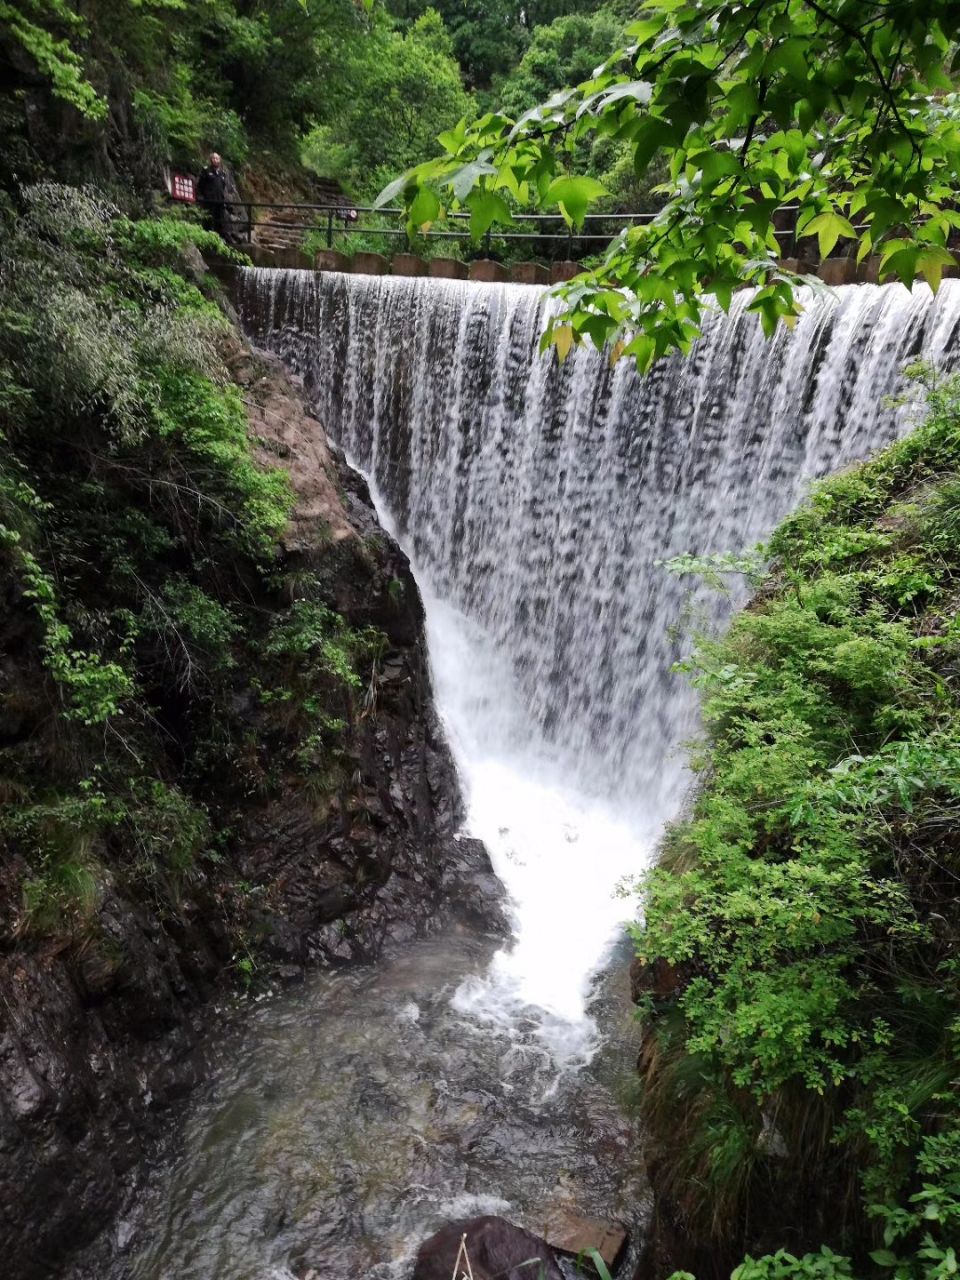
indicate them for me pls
(347, 1118)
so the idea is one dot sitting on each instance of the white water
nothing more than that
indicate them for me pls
(540, 834)
(536, 504)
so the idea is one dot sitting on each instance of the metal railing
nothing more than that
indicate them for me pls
(332, 220)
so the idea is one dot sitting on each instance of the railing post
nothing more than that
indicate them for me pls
(329, 228)
(249, 223)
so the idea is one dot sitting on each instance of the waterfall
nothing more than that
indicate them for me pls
(537, 503)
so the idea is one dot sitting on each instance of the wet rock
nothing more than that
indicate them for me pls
(495, 1249)
(659, 979)
(99, 1038)
(191, 262)
(569, 1232)
(471, 889)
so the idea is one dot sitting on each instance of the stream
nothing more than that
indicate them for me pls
(347, 1118)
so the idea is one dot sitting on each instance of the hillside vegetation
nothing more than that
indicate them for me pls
(219, 759)
(349, 91)
(801, 929)
(143, 578)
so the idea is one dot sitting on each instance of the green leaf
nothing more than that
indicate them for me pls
(640, 91)
(574, 194)
(425, 207)
(828, 228)
(467, 176)
(931, 263)
(902, 264)
(646, 143)
(486, 207)
(789, 56)
(562, 338)
(453, 139)
(597, 1260)
(645, 29)
(723, 292)
(884, 1258)
(391, 191)
(642, 348)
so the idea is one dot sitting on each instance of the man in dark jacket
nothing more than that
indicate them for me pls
(212, 193)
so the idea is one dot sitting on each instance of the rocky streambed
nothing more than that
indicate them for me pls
(345, 1119)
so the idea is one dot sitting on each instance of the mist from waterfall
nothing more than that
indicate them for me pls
(537, 504)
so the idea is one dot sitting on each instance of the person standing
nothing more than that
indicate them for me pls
(212, 193)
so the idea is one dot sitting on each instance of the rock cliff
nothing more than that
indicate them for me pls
(102, 1031)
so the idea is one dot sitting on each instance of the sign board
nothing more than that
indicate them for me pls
(183, 187)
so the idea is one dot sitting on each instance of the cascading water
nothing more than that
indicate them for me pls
(347, 1119)
(537, 504)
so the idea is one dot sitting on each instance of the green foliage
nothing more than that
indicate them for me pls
(42, 29)
(93, 689)
(808, 902)
(825, 1265)
(402, 89)
(826, 106)
(139, 542)
(488, 36)
(312, 631)
(175, 80)
(67, 837)
(564, 52)
(314, 668)
(184, 124)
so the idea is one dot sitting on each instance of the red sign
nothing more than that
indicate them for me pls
(182, 187)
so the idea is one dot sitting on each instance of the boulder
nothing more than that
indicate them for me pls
(838, 271)
(568, 1232)
(261, 256)
(561, 271)
(659, 979)
(868, 272)
(294, 258)
(370, 264)
(495, 1248)
(408, 264)
(331, 260)
(529, 273)
(800, 266)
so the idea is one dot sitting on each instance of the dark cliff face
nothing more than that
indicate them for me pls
(101, 1034)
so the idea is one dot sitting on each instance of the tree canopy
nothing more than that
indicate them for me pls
(843, 109)
(489, 36)
(400, 91)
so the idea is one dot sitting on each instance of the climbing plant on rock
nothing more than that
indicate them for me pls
(842, 108)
